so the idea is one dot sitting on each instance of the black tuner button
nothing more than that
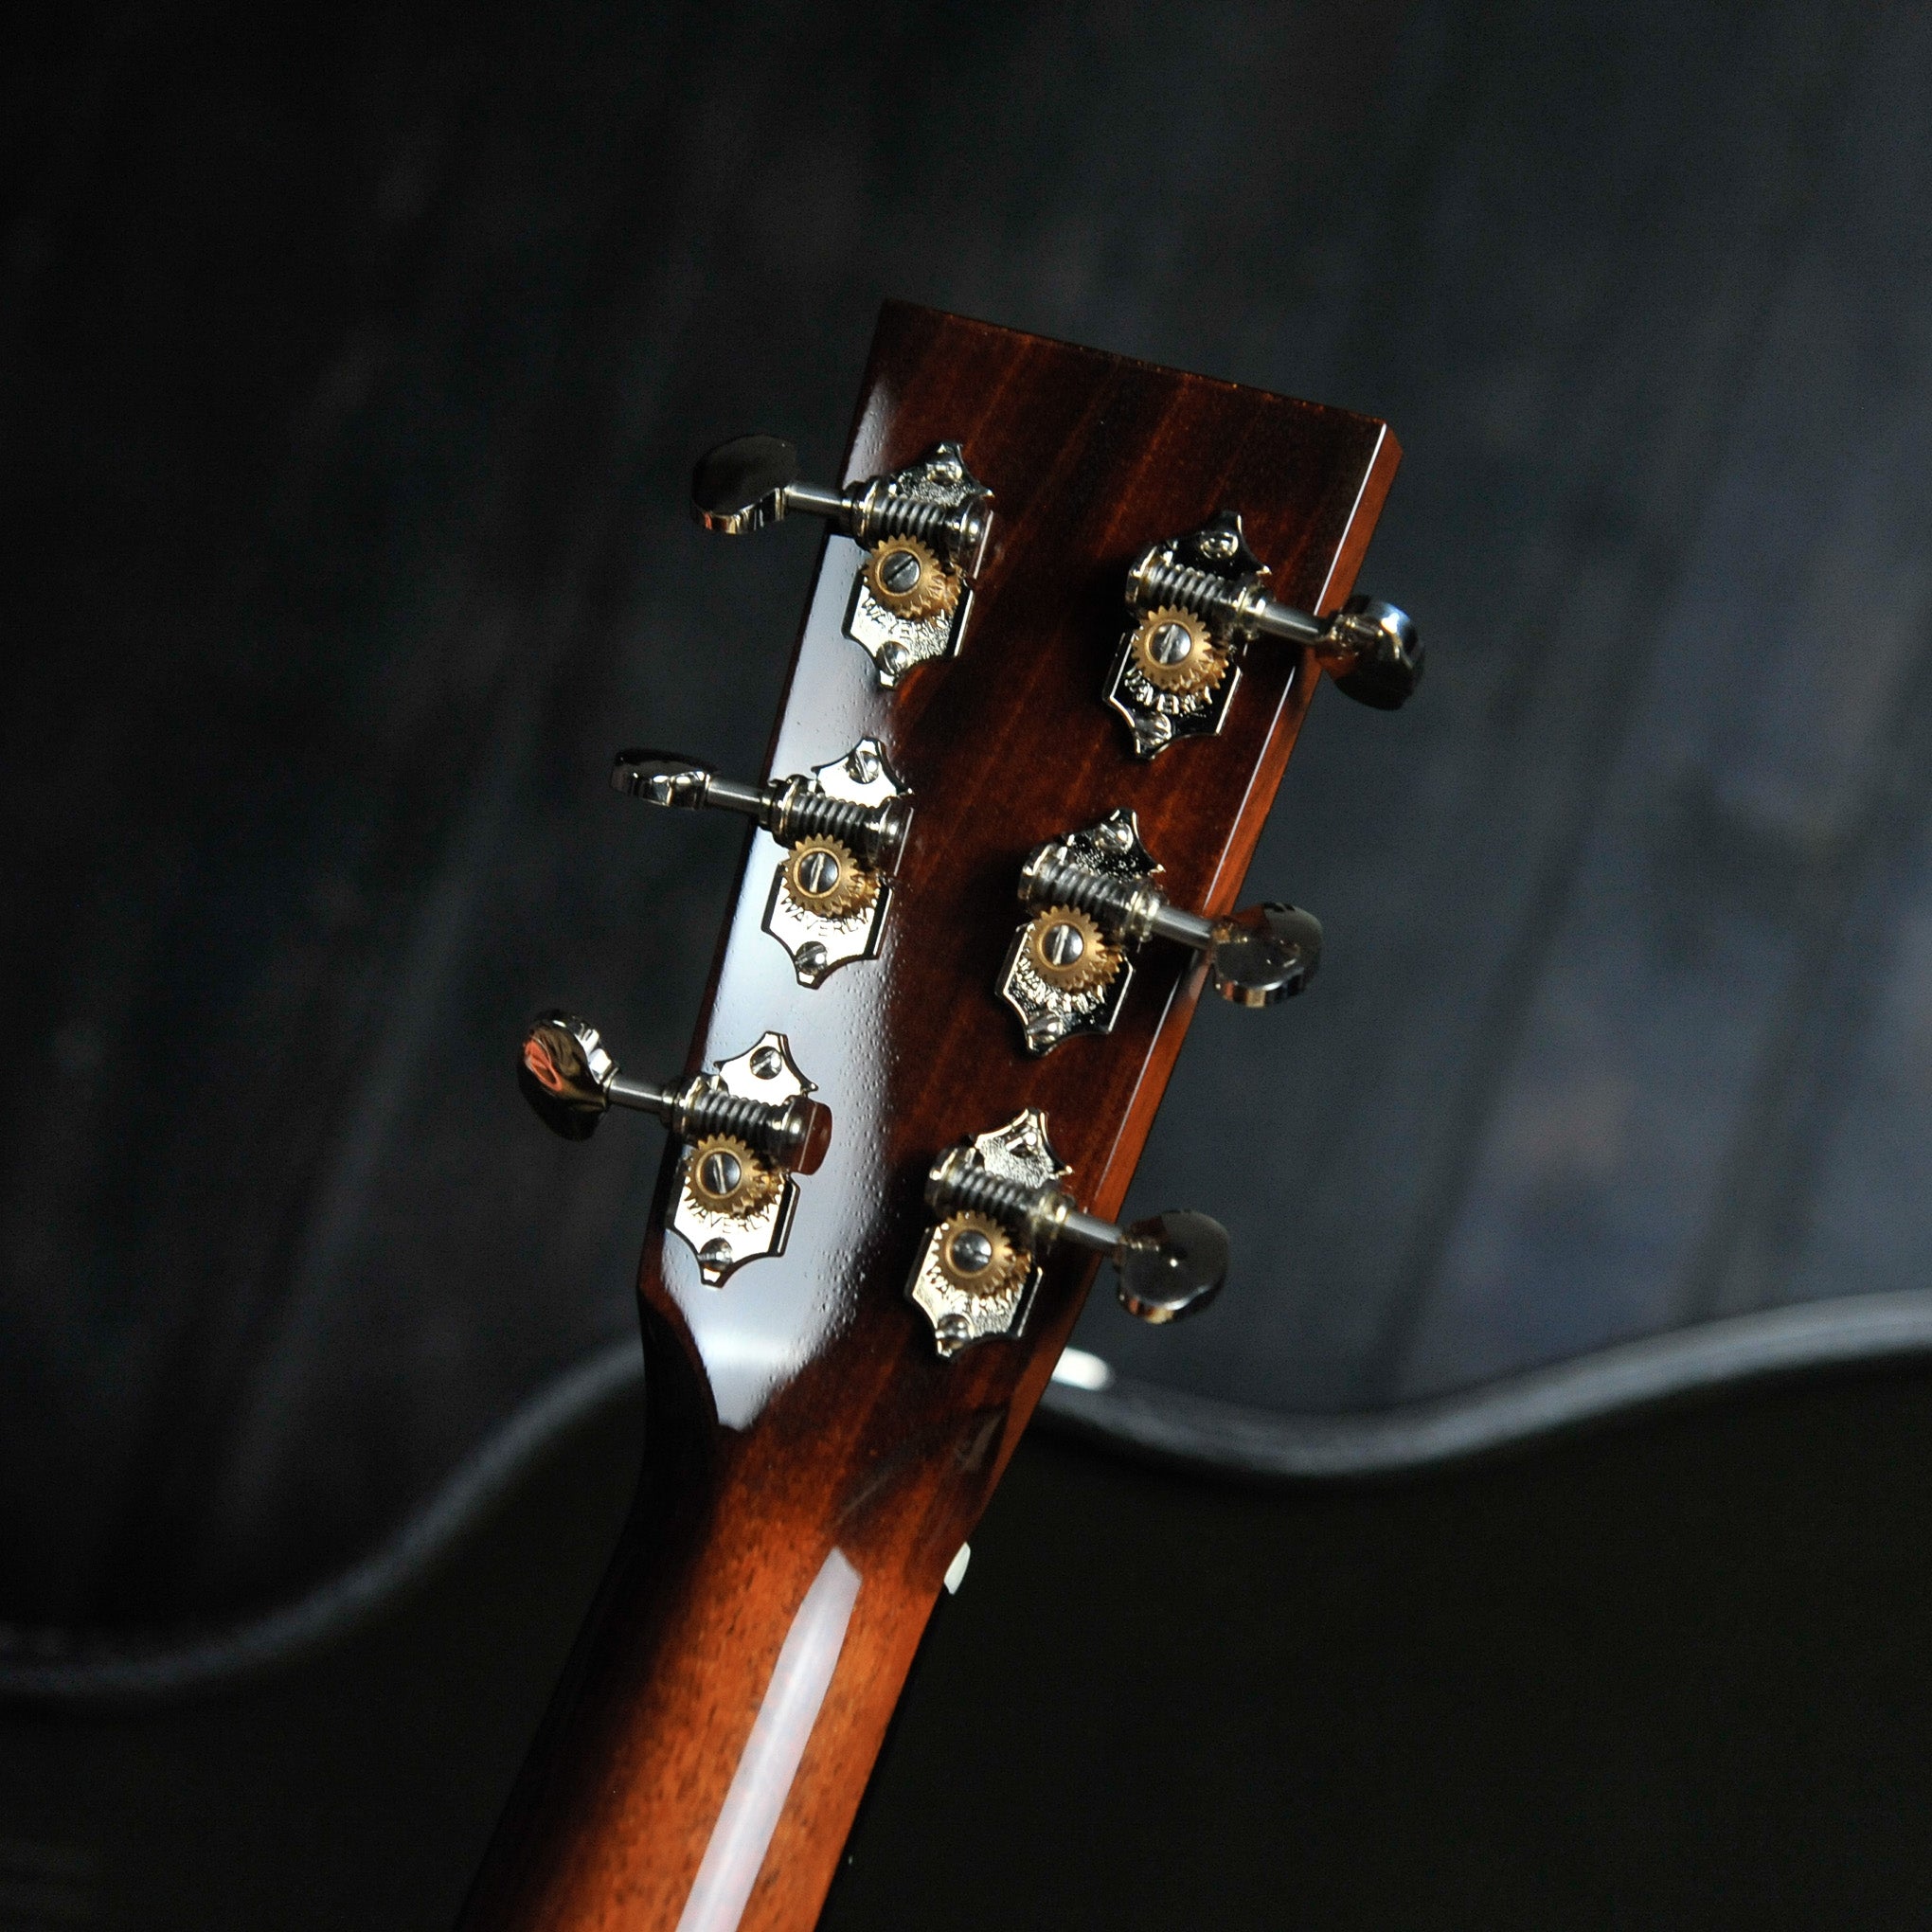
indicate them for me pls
(1374, 654)
(1267, 954)
(1172, 1266)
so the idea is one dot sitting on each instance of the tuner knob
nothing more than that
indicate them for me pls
(753, 480)
(1095, 900)
(845, 825)
(998, 1211)
(1172, 1265)
(1374, 654)
(1267, 953)
(1195, 601)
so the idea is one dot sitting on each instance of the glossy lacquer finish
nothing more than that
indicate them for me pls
(812, 1465)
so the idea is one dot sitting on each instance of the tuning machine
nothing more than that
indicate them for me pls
(923, 529)
(845, 824)
(999, 1210)
(748, 1128)
(1068, 968)
(1195, 601)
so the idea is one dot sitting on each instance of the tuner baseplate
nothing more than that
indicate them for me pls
(820, 939)
(908, 510)
(725, 1241)
(1050, 1013)
(1018, 1151)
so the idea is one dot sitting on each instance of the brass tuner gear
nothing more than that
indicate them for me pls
(976, 1254)
(1067, 949)
(908, 579)
(725, 1177)
(1176, 652)
(822, 876)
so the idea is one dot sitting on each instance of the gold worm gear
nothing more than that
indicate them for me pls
(1159, 658)
(823, 877)
(725, 1177)
(906, 578)
(1069, 950)
(977, 1255)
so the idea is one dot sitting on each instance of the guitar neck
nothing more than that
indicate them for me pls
(815, 1462)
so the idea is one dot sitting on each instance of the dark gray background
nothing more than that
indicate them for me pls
(356, 366)
(353, 364)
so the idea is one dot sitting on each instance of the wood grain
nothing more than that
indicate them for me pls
(802, 1411)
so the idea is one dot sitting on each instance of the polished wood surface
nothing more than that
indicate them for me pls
(812, 1465)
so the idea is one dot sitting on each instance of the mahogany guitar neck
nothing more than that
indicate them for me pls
(820, 1440)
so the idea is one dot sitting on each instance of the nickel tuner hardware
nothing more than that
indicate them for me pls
(1094, 900)
(748, 1128)
(998, 1209)
(844, 825)
(923, 528)
(1194, 602)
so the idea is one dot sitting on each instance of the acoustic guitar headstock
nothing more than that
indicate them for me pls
(1068, 613)
(1043, 697)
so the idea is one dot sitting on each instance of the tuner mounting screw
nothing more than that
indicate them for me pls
(1000, 1208)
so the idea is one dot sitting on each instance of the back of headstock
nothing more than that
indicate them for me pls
(848, 1329)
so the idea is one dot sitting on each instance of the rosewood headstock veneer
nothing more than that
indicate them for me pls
(1044, 676)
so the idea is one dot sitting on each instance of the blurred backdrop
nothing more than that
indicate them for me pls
(353, 365)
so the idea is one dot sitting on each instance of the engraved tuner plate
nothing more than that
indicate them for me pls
(764, 1071)
(1051, 1014)
(818, 944)
(1020, 1152)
